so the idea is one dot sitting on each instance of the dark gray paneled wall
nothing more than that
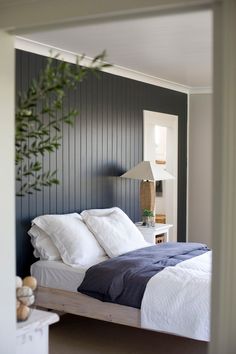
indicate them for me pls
(107, 140)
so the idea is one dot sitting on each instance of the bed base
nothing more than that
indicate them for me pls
(83, 305)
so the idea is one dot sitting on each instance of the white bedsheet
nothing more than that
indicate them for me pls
(177, 300)
(57, 275)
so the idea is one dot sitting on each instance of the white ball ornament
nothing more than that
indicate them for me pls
(24, 291)
(31, 282)
(22, 312)
(18, 282)
(26, 300)
(24, 296)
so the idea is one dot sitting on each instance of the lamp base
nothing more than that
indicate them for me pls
(147, 195)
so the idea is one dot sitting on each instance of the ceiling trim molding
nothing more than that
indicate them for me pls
(200, 90)
(43, 49)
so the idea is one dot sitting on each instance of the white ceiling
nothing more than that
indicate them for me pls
(176, 47)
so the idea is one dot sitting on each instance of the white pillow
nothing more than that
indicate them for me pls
(76, 244)
(43, 246)
(113, 229)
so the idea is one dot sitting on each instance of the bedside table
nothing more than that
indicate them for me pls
(150, 234)
(32, 334)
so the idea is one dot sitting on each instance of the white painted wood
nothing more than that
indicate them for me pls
(83, 305)
(32, 335)
(7, 193)
(36, 320)
(43, 49)
(224, 169)
(149, 233)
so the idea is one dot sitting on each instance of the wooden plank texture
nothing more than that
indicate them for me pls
(83, 305)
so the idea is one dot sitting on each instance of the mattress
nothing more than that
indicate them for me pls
(57, 275)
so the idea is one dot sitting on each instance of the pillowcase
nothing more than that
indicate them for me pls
(113, 229)
(43, 246)
(75, 243)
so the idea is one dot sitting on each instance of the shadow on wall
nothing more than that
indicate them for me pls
(109, 178)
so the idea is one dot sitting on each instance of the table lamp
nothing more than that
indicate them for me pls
(148, 172)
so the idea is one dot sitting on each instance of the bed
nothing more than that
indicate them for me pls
(166, 305)
(56, 292)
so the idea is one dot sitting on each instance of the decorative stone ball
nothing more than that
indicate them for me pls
(23, 291)
(26, 300)
(31, 282)
(22, 312)
(18, 282)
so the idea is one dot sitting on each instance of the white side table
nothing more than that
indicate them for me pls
(32, 334)
(150, 233)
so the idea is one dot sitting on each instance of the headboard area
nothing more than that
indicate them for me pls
(106, 140)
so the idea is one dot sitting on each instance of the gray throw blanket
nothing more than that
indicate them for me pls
(122, 280)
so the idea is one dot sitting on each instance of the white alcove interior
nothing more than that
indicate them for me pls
(168, 150)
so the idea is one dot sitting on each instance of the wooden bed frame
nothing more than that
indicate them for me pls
(83, 305)
(78, 304)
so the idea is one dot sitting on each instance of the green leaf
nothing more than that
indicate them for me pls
(38, 109)
(55, 181)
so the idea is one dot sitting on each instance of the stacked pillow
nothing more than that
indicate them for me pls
(86, 239)
(75, 244)
(114, 230)
(44, 248)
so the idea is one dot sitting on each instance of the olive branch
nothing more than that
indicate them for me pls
(39, 119)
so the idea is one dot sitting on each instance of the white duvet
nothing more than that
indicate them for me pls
(177, 300)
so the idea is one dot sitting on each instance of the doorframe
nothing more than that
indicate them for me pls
(14, 18)
(171, 123)
(7, 193)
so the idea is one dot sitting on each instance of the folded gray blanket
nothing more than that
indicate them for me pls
(123, 279)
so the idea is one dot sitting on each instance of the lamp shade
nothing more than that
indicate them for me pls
(149, 171)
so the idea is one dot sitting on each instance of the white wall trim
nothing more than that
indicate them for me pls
(43, 49)
(187, 187)
(7, 192)
(200, 90)
(223, 320)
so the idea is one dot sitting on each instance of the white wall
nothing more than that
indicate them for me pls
(200, 168)
(7, 200)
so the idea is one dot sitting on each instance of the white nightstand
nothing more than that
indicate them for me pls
(32, 335)
(150, 234)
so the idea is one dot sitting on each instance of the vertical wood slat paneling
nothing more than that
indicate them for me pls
(106, 140)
